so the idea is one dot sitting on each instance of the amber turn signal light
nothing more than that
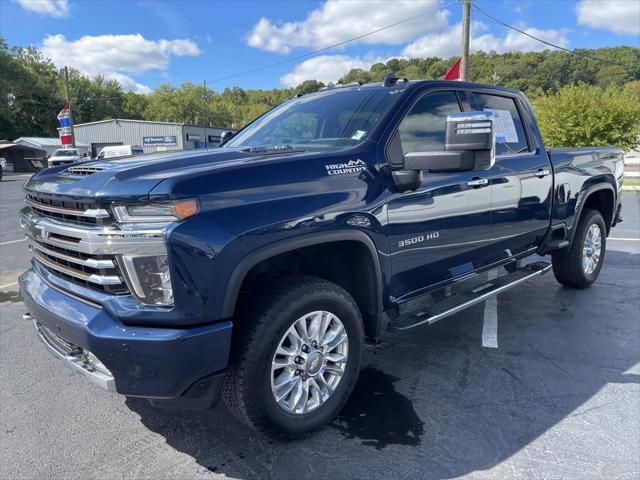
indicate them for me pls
(185, 208)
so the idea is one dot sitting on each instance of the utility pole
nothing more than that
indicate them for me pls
(466, 18)
(204, 114)
(66, 83)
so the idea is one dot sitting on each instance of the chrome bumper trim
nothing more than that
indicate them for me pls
(74, 358)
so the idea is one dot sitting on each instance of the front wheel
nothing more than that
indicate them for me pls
(580, 266)
(296, 357)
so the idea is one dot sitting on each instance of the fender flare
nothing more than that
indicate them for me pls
(582, 199)
(263, 253)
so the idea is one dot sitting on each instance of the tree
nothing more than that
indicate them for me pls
(308, 86)
(584, 115)
(134, 105)
(30, 99)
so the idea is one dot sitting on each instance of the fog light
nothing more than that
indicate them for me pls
(149, 278)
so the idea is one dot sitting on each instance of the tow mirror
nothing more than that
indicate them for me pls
(472, 132)
(469, 145)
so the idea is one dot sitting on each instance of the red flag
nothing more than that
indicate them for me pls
(454, 72)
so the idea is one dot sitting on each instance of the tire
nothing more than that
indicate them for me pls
(568, 265)
(262, 328)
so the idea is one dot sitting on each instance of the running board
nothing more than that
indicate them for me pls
(456, 303)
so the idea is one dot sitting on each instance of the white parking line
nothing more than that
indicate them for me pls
(13, 241)
(7, 285)
(26, 175)
(490, 325)
(624, 239)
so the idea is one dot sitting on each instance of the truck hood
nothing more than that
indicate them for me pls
(132, 179)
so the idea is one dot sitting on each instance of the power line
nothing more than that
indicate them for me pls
(324, 49)
(553, 45)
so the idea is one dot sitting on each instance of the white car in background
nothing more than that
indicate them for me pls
(119, 151)
(63, 156)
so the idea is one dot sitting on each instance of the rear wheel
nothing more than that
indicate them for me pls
(296, 357)
(580, 265)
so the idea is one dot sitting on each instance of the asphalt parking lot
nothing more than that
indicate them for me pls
(558, 398)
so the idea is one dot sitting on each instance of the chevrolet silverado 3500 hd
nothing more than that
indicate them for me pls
(255, 271)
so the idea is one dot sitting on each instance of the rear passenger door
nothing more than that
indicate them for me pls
(521, 179)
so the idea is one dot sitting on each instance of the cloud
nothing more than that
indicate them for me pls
(115, 56)
(326, 68)
(53, 8)
(447, 44)
(128, 83)
(339, 20)
(617, 16)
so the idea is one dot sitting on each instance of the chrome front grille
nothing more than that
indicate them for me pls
(85, 253)
(99, 272)
(66, 211)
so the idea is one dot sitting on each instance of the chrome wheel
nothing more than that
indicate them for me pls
(309, 362)
(592, 249)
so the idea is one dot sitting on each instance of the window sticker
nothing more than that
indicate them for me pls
(358, 135)
(503, 125)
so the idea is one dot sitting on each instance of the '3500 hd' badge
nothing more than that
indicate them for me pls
(352, 166)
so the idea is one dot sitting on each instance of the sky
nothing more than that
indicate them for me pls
(143, 43)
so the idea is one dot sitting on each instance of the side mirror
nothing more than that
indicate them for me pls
(225, 137)
(469, 145)
(472, 132)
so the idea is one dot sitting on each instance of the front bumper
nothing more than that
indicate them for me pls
(148, 362)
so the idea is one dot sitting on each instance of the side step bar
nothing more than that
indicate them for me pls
(456, 303)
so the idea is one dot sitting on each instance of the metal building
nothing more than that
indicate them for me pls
(47, 144)
(152, 136)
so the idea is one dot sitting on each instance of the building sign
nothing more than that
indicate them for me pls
(159, 141)
(193, 137)
(214, 138)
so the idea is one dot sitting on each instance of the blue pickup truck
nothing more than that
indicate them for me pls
(255, 272)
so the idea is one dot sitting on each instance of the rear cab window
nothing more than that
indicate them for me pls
(511, 136)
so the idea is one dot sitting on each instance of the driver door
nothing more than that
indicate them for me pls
(442, 230)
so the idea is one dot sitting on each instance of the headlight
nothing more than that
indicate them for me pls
(160, 212)
(149, 278)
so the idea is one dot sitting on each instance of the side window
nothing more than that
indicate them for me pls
(510, 134)
(423, 128)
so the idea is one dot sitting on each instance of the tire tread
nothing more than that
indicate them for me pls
(249, 334)
(567, 265)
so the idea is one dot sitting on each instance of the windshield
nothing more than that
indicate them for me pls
(65, 153)
(324, 120)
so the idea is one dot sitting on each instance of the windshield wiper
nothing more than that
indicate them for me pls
(271, 149)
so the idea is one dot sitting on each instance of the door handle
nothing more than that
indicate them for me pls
(542, 173)
(478, 182)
